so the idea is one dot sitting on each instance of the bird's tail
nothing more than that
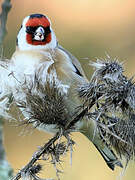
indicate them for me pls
(88, 129)
(109, 157)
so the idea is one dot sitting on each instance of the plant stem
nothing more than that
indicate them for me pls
(5, 169)
(6, 6)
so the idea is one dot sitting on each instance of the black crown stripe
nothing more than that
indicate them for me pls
(36, 16)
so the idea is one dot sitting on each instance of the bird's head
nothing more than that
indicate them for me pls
(36, 33)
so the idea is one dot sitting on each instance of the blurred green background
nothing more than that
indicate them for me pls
(88, 29)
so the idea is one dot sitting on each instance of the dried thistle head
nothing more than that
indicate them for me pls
(109, 85)
(31, 173)
(35, 169)
(56, 150)
(125, 130)
(104, 81)
(107, 69)
(118, 132)
(130, 98)
(110, 98)
(44, 104)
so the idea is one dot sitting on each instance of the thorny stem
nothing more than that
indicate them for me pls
(2, 152)
(113, 134)
(6, 6)
(5, 169)
(42, 150)
(36, 156)
(70, 143)
(76, 119)
(81, 114)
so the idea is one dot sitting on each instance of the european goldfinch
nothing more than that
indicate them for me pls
(38, 50)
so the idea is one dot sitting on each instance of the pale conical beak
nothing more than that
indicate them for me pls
(39, 35)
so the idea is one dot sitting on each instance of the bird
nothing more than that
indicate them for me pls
(37, 48)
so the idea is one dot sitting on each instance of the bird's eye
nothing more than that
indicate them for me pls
(30, 29)
(47, 30)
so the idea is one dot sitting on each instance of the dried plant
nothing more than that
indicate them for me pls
(113, 109)
(108, 99)
(5, 168)
(45, 106)
(6, 6)
(51, 151)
